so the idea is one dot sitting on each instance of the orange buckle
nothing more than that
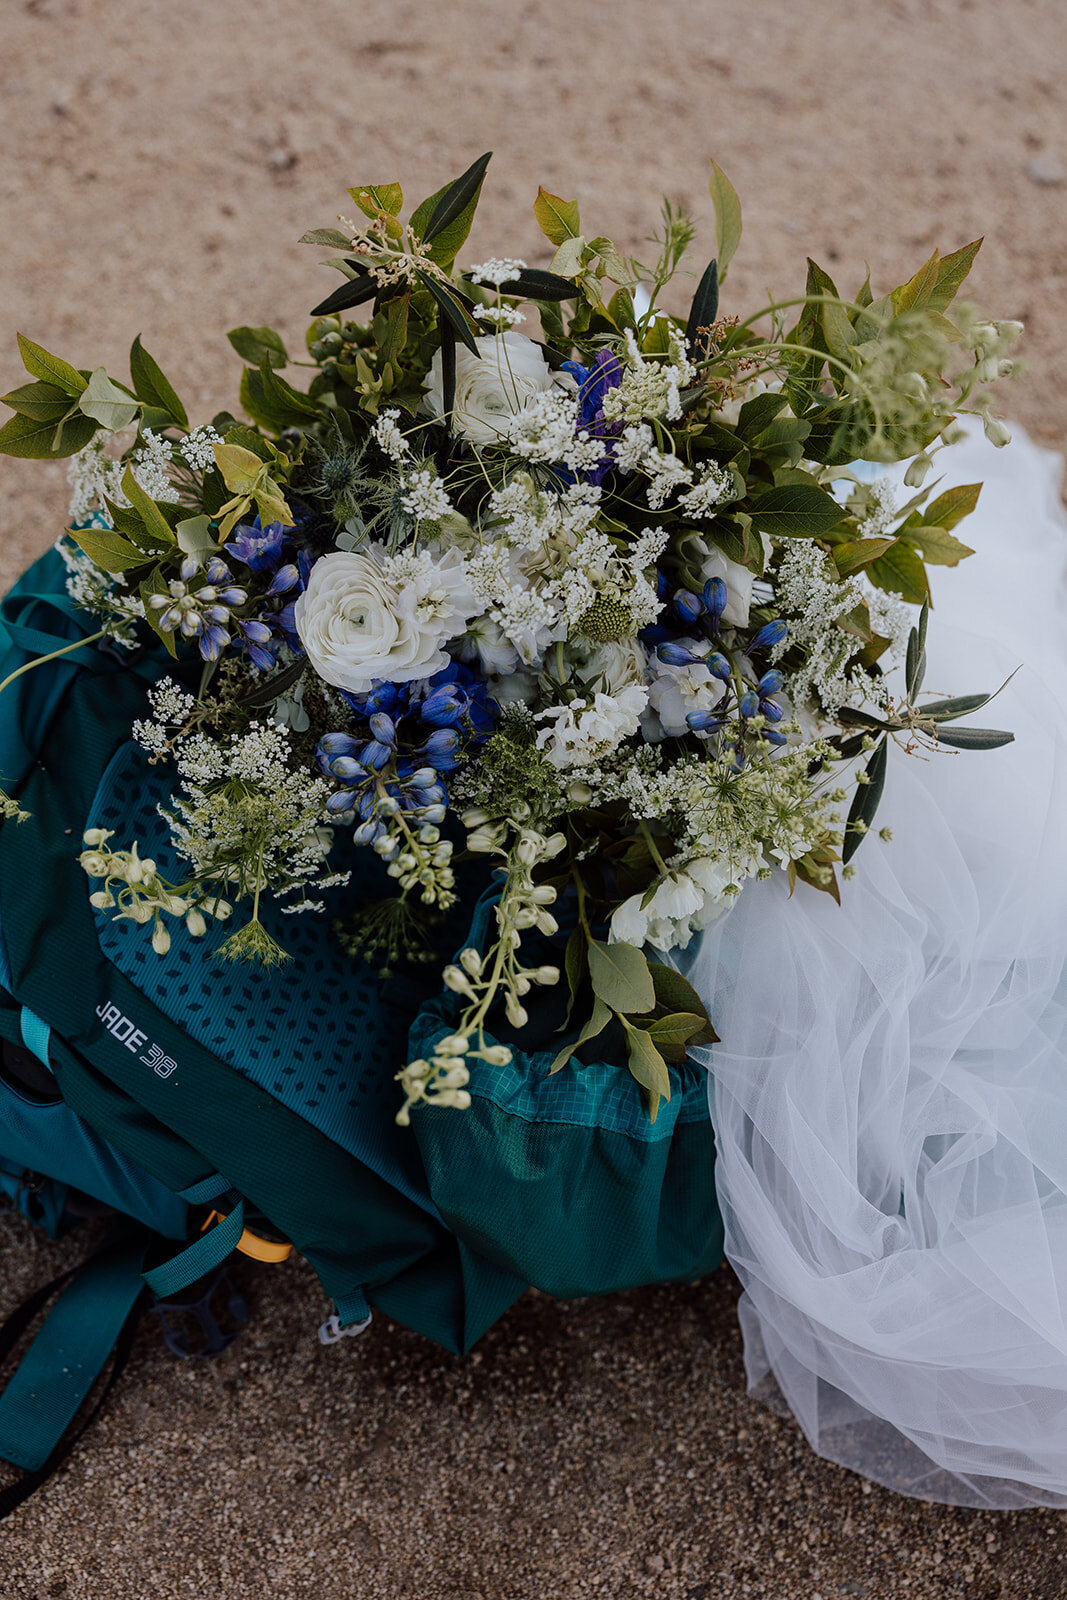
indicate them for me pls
(250, 1244)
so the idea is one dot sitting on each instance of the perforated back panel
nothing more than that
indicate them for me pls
(319, 1033)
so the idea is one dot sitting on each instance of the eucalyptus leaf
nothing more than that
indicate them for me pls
(705, 306)
(727, 217)
(974, 738)
(865, 802)
(620, 976)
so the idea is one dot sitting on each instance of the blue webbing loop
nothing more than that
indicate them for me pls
(35, 1035)
(198, 1194)
(199, 1258)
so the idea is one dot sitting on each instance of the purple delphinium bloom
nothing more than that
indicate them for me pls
(593, 384)
(260, 549)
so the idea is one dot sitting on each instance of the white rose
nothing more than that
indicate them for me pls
(491, 387)
(359, 626)
(612, 667)
(738, 581)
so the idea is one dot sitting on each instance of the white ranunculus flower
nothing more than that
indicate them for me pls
(612, 667)
(492, 386)
(360, 622)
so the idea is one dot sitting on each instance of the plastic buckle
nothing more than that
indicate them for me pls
(332, 1332)
(215, 1341)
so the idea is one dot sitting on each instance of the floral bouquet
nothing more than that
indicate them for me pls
(532, 572)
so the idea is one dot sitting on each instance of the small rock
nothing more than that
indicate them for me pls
(1047, 170)
(654, 1563)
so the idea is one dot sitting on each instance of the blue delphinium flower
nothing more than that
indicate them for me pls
(260, 549)
(593, 384)
(406, 736)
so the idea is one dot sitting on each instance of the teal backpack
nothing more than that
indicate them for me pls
(215, 1107)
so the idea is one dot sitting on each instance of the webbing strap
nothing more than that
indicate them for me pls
(352, 1307)
(39, 641)
(68, 1354)
(198, 1194)
(35, 1035)
(202, 1256)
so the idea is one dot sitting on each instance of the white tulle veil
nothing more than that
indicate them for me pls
(890, 1093)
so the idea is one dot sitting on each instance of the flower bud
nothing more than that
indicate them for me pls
(95, 836)
(481, 841)
(456, 979)
(160, 939)
(917, 470)
(456, 1044)
(497, 1055)
(196, 923)
(543, 895)
(95, 864)
(102, 900)
(476, 817)
(546, 975)
(517, 1015)
(471, 962)
(996, 432)
(579, 793)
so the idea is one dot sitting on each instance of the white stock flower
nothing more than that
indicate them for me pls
(361, 620)
(676, 691)
(585, 731)
(491, 387)
(681, 905)
(612, 667)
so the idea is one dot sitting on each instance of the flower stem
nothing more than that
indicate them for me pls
(39, 661)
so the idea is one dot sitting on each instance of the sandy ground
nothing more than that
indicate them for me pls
(159, 164)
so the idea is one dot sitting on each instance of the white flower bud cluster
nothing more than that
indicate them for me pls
(416, 855)
(481, 979)
(143, 896)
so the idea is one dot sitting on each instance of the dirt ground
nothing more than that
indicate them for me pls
(159, 164)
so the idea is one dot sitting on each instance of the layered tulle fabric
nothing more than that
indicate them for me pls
(890, 1093)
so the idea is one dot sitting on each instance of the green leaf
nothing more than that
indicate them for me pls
(620, 976)
(671, 1034)
(916, 294)
(463, 325)
(109, 550)
(758, 413)
(35, 438)
(444, 220)
(865, 802)
(597, 1023)
(396, 328)
(951, 272)
(676, 993)
(796, 511)
(974, 738)
(855, 554)
(196, 536)
(39, 363)
(576, 966)
(259, 346)
(900, 571)
(155, 584)
(939, 547)
(569, 259)
(356, 292)
(40, 400)
(280, 393)
(268, 689)
(958, 706)
(155, 522)
(727, 217)
(952, 506)
(833, 318)
(374, 198)
(557, 219)
(648, 1067)
(705, 306)
(152, 386)
(250, 440)
(533, 283)
(328, 236)
(106, 403)
(915, 663)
